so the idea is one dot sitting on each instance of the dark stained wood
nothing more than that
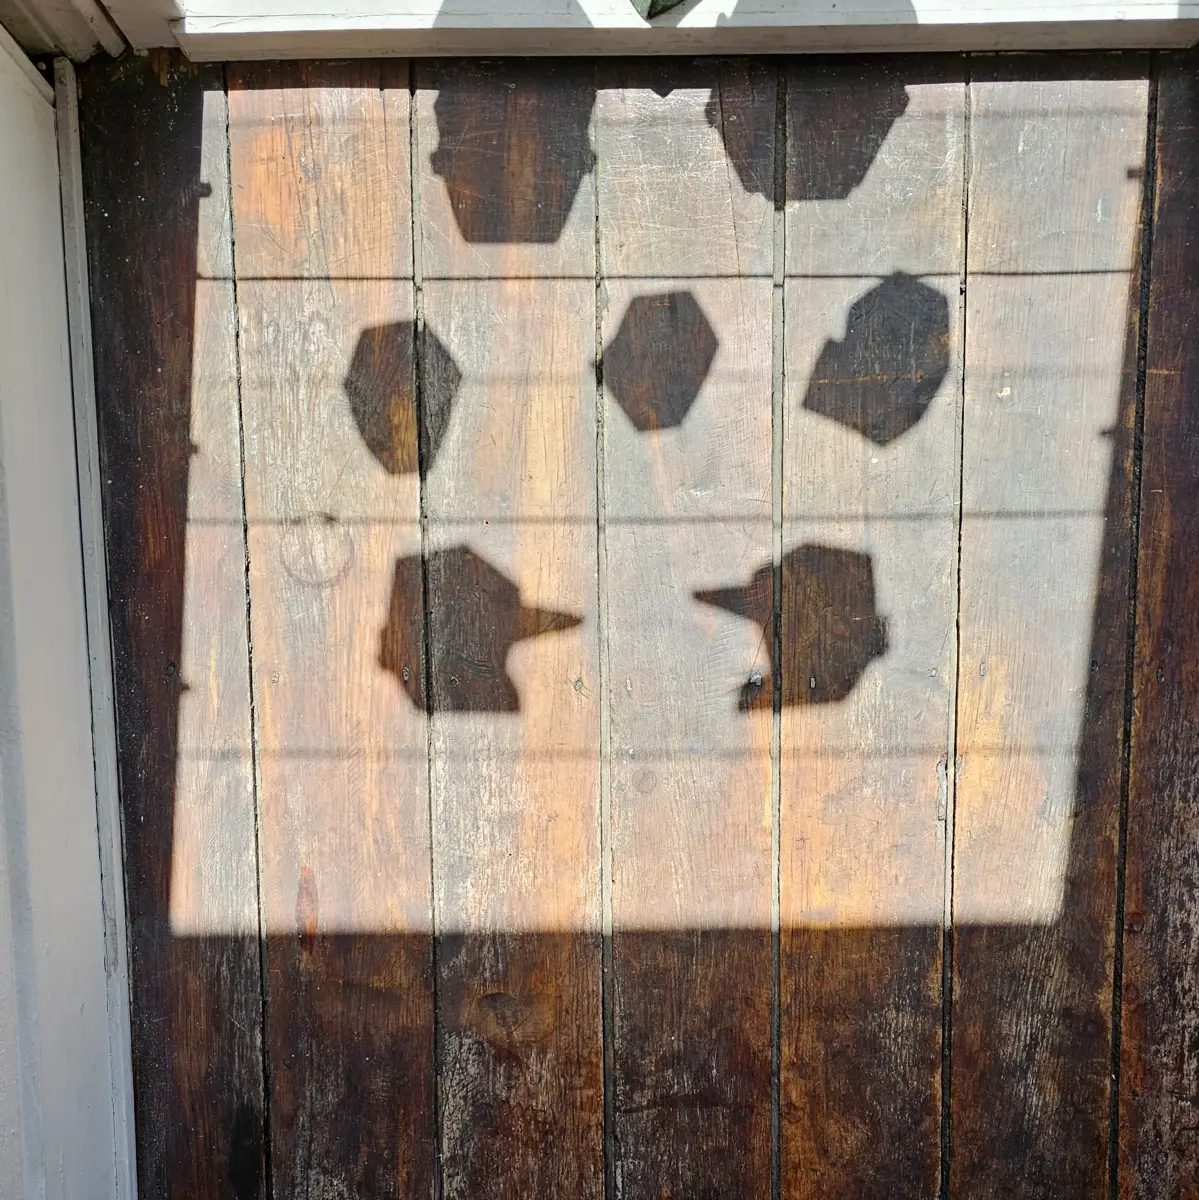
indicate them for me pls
(862, 1005)
(322, 228)
(157, 215)
(874, 245)
(1159, 1085)
(687, 477)
(394, 930)
(507, 200)
(505, 172)
(1057, 152)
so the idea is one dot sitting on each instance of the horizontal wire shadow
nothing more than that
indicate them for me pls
(868, 518)
(548, 277)
(660, 754)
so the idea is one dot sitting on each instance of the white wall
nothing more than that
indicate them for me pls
(304, 28)
(56, 1095)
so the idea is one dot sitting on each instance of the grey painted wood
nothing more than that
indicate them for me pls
(222, 29)
(11, 52)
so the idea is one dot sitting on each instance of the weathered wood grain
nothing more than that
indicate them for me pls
(687, 481)
(322, 229)
(1057, 152)
(423, 558)
(874, 245)
(214, 867)
(687, 169)
(514, 761)
(1159, 1083)
(157, 215)
(506, 184)
(507, 193)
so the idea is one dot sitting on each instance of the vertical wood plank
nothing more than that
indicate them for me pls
(323, 236)
(1159, 1084)
(687, 295)
(874, 245)
(507, 219)
(506, 183)
(1057, 152)
(159, 256)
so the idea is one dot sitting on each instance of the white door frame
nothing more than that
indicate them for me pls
(66, 1099)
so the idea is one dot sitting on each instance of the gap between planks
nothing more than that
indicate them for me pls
(418, 299)
(778, 416)
(607, 974)
(267, 1146)
(1145, 263)
(951, 763)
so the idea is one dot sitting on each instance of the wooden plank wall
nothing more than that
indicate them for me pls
(1158, 1146)
(652, 619)
(167, 393)
(322, 253)
(508, 286)
(873, 261)
(1051, 371)
(687, 509)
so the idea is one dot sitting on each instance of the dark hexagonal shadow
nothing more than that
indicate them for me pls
(476, 617)
(746, 117)
(831, 630)
(836, 125)
(381, 388)
(513, 149)
(881, 379)
(834, 133)
(659, 358)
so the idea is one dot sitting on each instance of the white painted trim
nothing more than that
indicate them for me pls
(95, 583)
(59, 1135)
(76, 28)
(99, 22)
(10, 50)
(223, 29)
(146, 23)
